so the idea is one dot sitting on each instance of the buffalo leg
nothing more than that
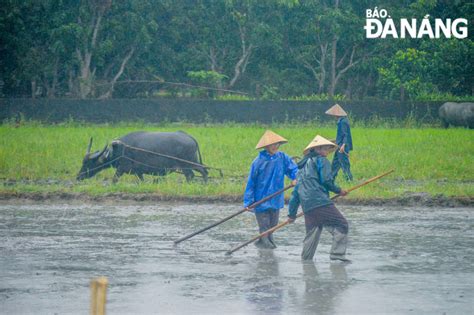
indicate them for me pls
(117, 175)
(189, 174)
(203, 172)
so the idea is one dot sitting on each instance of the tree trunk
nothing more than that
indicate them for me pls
(125, 60)
(215, 68)
(348, 92)
(70, 83)
(51, 89)
(319, 74)
(86, 77)
(336, 74)
(322, 78)
(332, 87)
(241, 65)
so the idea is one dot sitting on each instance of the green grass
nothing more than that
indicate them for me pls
(437, 161)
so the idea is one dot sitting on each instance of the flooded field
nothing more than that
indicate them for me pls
(405, 261)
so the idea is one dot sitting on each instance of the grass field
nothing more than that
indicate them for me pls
(47, 158)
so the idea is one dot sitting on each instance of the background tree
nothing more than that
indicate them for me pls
(268, 49)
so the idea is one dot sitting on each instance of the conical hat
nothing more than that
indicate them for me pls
(336, 110)
(268, 138)
(319, 141)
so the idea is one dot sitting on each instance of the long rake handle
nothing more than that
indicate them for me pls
(273, 229)
(255, 204)
(366, 182)
(279, 226)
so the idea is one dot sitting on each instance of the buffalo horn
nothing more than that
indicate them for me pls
(103, 150)
(89, 147)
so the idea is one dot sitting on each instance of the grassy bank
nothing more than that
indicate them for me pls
(46, 158)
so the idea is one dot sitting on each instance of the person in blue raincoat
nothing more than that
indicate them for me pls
(267, 174)
(343, 140)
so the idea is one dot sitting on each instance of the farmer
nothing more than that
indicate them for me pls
(343, 140)
(266, 177)
(312, 192)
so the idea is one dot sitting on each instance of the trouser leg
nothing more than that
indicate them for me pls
(335, 222)
(346, 165)
(336, 165)
(313, 234)
(265, 220)
(337, 225)
(310, 243)
(339, 243)
(274, 217)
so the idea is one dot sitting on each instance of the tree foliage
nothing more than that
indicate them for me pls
(265, 49)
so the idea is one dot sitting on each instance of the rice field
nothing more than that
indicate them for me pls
(46, 158)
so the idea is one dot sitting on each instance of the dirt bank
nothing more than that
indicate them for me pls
(413, 199)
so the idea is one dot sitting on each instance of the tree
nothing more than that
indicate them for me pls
(330, 44)
(284, 48)
(407, 73)
(107, 35)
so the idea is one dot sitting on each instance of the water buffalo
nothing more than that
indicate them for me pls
(457, 114)
(138, 153)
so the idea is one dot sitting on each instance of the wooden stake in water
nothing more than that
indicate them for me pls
(98, 295)
(279, 226)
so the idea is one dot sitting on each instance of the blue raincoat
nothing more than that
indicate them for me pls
(267, 174)
(341, 160)
(344, 134)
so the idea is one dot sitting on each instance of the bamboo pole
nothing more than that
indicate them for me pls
(279, 226)
(98, 295)
(255, 204)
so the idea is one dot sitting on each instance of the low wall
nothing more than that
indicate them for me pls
(198, 111)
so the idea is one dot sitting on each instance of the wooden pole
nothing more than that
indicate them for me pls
(98, 295)
(255, 204)
(279, 226)
(366, 182)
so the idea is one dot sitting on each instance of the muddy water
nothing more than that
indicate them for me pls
(406, 261)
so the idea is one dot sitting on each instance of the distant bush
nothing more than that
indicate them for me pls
(234, 97)
(270, 96)
(443, 97)
(317, 97)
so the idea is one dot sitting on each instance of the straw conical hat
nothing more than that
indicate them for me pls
(336, 110)
(319, 141)
(268, 138)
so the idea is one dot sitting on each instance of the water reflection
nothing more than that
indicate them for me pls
(266, 287)
(321, 293)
